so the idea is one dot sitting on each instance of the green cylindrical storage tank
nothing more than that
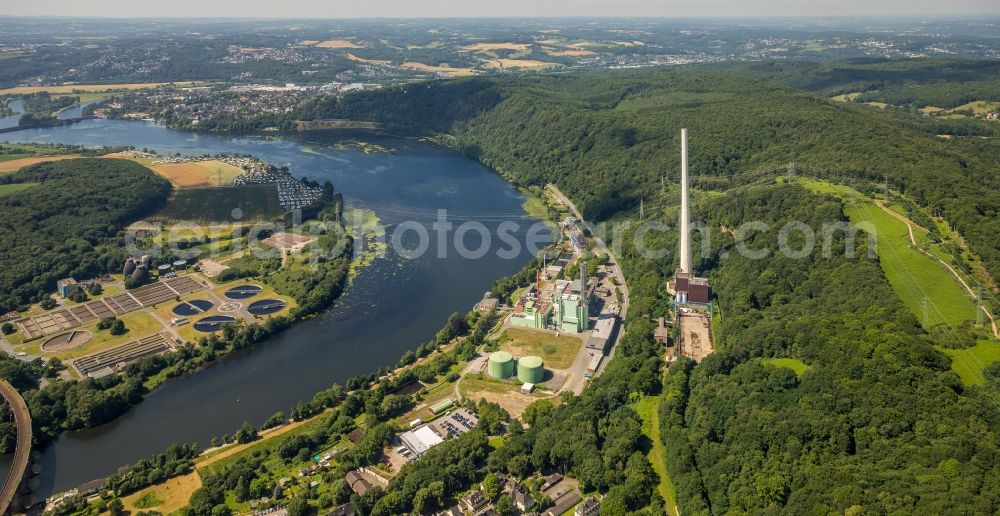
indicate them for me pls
(530, 370)
(501, 365)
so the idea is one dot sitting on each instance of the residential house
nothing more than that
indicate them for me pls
(589, 507)
(473, 501)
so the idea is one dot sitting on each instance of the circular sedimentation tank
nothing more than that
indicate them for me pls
(266, 306)
(243, 291)
(213, 323)
(530, 369)
(501, 365)
(193, 307)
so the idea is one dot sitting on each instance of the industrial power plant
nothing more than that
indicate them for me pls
(687, 287)
(561, 305)
(692, 294)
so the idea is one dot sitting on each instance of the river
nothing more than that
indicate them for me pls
(11, 121)
(393, 305)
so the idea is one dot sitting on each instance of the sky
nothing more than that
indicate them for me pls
(501, 8)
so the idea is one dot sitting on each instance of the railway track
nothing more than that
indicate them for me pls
(22, 452)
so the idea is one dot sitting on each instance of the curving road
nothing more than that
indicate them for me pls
(22, 420)
(619, 276)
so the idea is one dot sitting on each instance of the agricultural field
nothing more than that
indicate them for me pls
(166, 497)
(14, 188)
(846, 97)
(978, 107)
(19, 162)
(454, 72)
(494, 64)
(198, 173)
(557, 351)
(970, 363)
(570, 53)
(90, 88)
(219, 204)
(337, 43)
(89, 96)
(486, 47)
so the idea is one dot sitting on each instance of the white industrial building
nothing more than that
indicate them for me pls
(421, 439)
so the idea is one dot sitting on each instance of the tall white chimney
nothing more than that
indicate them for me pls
(685, 216)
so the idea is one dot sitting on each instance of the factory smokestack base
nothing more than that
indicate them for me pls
(686, 287)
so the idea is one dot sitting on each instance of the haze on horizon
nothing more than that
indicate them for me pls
(510, 8)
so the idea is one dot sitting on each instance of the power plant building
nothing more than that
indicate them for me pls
(561, 305)
(531, 314)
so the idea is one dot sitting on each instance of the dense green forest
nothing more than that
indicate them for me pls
(70, 223)
(608, 139)
(945, 83)
(877, 421)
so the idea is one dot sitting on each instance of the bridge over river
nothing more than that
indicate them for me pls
(22, 453)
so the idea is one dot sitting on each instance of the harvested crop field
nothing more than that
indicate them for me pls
(337, 43)
(198, 173)
(170, 495)
(17, 164)
(483, 47)
(455, 72)
(516, 63)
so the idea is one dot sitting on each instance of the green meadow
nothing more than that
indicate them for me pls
(926, 288)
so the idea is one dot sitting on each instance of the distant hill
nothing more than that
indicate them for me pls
(607, 139)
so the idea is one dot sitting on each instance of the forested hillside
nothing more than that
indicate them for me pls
(607, 139)
(945, 83)
(67, 224)
(876, 421)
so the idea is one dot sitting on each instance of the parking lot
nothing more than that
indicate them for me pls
(455, 423)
